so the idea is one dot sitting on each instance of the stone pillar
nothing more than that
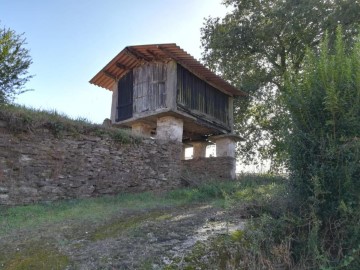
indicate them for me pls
(140, 128)
(226, 147)
(169, 128)
(199, 149)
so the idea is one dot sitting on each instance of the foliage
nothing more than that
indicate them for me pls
(324, 153)
(15, 61)
(255, 44)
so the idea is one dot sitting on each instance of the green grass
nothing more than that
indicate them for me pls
(117, 227)
(37, 257)
(23, 119)
(254, 247)
(223, 194)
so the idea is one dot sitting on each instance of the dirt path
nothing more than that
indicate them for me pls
(130, 240)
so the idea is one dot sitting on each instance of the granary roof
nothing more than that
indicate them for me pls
(133, 56)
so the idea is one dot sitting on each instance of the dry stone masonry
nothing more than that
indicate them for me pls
(39, 167)
(200, 170)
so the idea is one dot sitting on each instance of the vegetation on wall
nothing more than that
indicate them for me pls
(22, 119)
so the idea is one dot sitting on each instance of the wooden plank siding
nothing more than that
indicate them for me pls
(197, 95)
(149, 87)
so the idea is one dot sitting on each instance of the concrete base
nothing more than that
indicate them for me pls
(169, 128)
(141, 128)
(226, 144)
(226, 147)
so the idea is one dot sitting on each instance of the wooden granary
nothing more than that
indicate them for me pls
(163, 91)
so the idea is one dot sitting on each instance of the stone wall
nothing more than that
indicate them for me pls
(40, 167)
(199, 170)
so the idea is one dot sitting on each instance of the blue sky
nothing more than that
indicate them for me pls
(71, 40)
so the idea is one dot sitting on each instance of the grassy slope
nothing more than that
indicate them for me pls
(99, 217)
(20, 119)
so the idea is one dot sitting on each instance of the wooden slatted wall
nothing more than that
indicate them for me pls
(149, 87)
(195, 94)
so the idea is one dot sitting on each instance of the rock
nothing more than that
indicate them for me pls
(24, 158)
(107, 122)
(28, 191)
(3, 190)
(4, 197)
(86, 190)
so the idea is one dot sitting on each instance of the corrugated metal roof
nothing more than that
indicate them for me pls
(133, 56)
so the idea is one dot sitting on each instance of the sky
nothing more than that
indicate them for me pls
(71, 40)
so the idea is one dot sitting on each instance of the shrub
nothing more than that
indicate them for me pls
(324, 150)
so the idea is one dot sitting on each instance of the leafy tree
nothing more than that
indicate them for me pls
(323, 102)
(14, 63)
(255, 44)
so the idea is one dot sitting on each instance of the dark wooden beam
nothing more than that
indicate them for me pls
(156, 56)
(108, 74)
(121, 66)
(137, 55)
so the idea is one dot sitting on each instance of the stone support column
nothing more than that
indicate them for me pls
(140, 128)
(199, 149)
(226, 147)
(169, 128)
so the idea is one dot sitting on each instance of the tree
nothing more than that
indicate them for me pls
(253, 47)
(14, 63)
(323, 102)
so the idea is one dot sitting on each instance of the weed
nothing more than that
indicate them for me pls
(37, 256)
(119, 226)
(22, 119)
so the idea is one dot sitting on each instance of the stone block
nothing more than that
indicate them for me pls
(4, 197)
(4, 190)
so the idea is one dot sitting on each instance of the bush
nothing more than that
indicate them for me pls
(324, 150)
